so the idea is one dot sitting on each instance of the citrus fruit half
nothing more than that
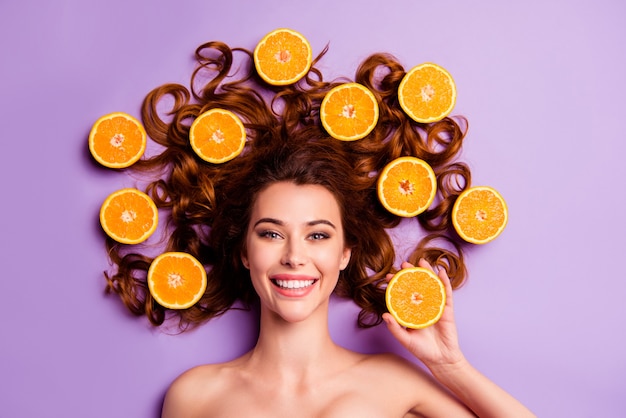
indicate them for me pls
(349, 111)
(117, 140)
(479, 214)
(176, 280)
(407, 186)
(415, 297)
(129, 216)
(427, 93)
(217, 135)
(283, 57)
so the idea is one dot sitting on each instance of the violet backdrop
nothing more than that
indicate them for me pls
(541, 82)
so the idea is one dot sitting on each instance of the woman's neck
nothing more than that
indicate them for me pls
(293, 349)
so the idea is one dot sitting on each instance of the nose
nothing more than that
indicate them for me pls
(294, 254)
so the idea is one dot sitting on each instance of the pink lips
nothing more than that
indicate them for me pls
(292, 285)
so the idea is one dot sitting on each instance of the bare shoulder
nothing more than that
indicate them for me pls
(394, 367)
(190, 392)
(403, 382)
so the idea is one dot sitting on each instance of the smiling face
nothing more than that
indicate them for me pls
(295, 249)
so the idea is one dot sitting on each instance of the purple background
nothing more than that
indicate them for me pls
(543, 86)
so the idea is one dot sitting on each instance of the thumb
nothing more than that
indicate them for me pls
(395, 329)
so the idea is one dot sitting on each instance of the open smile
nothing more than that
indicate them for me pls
(292, 285)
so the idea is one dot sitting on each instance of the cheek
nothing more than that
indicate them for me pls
(258, 256)
(332, 259)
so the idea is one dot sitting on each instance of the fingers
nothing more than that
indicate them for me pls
(407, 265)
(395, 329)
(425, 264)
(443, 275)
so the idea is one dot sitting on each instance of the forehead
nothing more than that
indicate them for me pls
(296, 203)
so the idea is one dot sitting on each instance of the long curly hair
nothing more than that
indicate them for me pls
(208, 206)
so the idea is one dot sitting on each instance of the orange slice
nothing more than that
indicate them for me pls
(349, 112)
(176, 280)
(479, 214)
(283, 57)
(129, 216)
(407, 186)
(117, 140)
(427, 93)
(217, 135)
(415, 297)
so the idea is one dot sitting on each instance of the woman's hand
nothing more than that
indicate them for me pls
(436, 345)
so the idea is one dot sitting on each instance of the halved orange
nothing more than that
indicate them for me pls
(407, 186)
(283, 57)
(479, 214)
(349, 111)
(427, 93)
(217, 135)
(129, 216)
(117, 140)
(176, 280)
(415, 297)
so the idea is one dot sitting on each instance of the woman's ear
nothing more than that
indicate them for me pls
(345, 258)
(244, 261)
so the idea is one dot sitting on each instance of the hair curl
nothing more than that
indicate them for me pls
(208, 206)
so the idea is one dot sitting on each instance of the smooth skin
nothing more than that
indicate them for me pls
(295, 251)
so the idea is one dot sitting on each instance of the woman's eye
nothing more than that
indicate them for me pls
(318, 236)
(269, 234)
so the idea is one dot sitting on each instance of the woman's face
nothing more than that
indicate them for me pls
(295, 249)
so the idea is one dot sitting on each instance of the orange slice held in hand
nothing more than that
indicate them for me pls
(415, 297)
(129, 216)
(427, 93)
(217, 135)
(407, 186)
(176, 280)
(479, 214)
(349, 112)
(117, 140)
(283, 57)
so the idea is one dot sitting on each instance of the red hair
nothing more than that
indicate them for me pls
(208, 206)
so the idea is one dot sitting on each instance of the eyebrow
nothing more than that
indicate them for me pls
(281, 223)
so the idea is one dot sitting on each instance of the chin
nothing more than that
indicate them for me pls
(294, 316)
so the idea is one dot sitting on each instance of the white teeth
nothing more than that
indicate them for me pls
(294, 284)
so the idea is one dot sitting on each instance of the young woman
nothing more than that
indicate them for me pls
(290, 221)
